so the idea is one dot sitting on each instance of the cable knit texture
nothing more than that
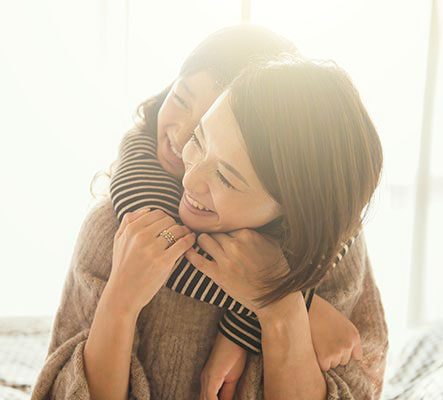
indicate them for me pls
(175, 333)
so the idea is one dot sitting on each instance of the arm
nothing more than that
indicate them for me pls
(290, 366)
(351, 289)
(63, 375)
(107, 372)
(246, 331)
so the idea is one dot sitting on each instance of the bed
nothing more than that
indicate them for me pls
(413, 372)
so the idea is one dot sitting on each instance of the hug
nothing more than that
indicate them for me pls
(229, 259)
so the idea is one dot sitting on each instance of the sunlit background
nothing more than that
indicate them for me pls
(73, 73)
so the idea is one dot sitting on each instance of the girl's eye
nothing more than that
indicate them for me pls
(224, 180)
(195, 139)
(180, 100)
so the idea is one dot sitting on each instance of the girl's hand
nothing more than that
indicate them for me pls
(336, 340)
(142, 260)
(224, 367)
(241, 259)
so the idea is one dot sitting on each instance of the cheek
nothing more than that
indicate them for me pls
(251, 211)
(166, 113)
(188, 154)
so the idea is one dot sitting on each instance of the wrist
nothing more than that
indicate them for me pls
(281, 311)
(112, 299)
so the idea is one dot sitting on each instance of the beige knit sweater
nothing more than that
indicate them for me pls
(175, 333)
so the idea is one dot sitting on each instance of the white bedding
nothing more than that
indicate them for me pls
(414, 373)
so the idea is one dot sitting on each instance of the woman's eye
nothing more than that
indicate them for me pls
(224, 180)
(195, 139)
(180, 100)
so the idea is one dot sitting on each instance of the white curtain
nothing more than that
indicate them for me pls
(72, 74)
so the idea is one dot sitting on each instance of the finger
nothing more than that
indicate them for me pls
(202, 391)
(346, 356)
(130, 217)
(335, 362)
(181, 246)
(227, 391)
(212, 390)
(209, 268)
(159, 225)
(211, 246)
(178, 231)
(223, 239)
(325, 365)
(150, 218)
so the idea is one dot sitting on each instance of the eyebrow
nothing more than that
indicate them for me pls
(229, 167)
(187, 88)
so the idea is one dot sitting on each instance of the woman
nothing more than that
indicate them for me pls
(137, 183)
(281, 101)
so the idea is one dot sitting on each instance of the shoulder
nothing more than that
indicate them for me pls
(94, 246)
(343, 285)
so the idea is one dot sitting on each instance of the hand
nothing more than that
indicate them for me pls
(336, 339)
(224, 367)
(142, 260)
(241, 261)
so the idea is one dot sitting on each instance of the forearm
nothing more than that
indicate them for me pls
(291, 370)
(107, 352)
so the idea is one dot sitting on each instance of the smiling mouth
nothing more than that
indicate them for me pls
(196, 204)
(174, 150)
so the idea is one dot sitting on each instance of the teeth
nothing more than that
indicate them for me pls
(196, 204)
(175, 151)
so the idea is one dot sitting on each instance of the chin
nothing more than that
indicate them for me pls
(176, 170)
(197, 223)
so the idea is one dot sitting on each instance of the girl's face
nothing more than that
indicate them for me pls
(222, 192)
(189, 98)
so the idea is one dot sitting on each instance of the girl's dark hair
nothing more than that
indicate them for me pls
(317, 153)
(223, 54)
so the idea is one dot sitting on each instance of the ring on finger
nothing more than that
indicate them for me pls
(168, 236)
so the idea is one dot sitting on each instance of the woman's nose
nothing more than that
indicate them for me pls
(195, 178)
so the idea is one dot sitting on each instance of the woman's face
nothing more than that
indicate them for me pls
(189, 98)
(222, 192)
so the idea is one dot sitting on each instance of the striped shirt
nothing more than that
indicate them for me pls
(138, 181)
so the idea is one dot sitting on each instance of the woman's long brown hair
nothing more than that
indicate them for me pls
(316, 151)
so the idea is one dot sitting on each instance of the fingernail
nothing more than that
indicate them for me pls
(143, 209)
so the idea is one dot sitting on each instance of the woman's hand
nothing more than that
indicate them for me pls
(222, 370)
(241, 259)
(142, 260)
(336, 339)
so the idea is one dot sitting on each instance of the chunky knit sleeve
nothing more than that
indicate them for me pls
(63, 373)
(352, 290)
